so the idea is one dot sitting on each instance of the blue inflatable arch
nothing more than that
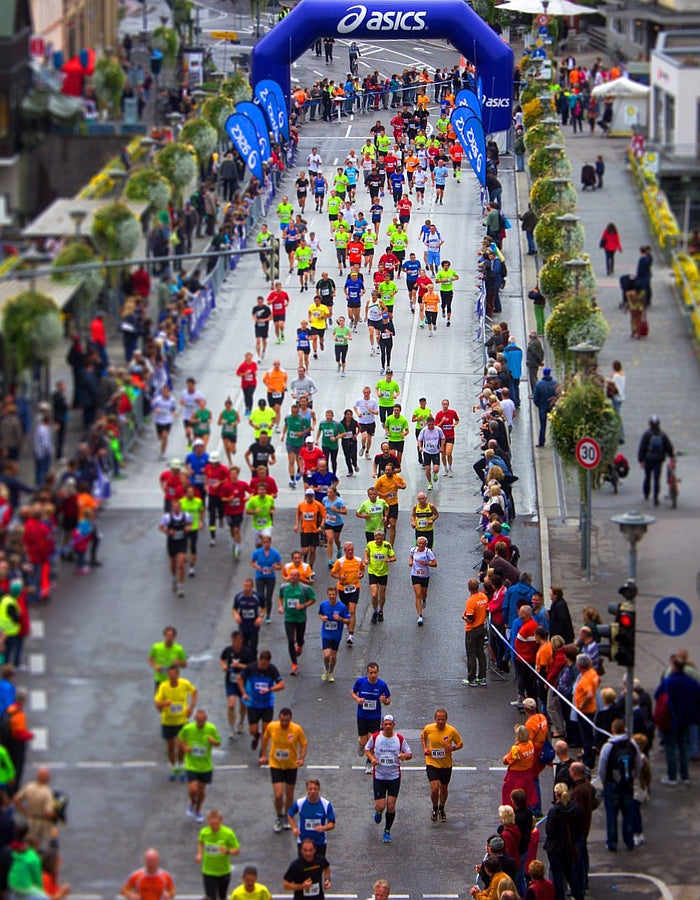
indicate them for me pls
(381, 20)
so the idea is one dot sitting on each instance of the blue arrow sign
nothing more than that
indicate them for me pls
(672, 616)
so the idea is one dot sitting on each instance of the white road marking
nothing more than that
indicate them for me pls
(322, 767)
(37, 663)
(38, 629)
(41, 739)
(37, 701)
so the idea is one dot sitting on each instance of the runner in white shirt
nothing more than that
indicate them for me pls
(373, 317)
(164, 409)
(421, 560)
(189, 400)
(420, 179)
(366, 409)
(314, 162)
(430, 441)
(386, 751)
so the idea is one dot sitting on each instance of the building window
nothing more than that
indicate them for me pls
(670, 120)
(639, 33)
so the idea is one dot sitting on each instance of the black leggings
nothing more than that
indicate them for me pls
(385, 348)
(350, 454)
(216, 511)
(216, 886)
(266, 588)
(341, 353)
(332, 457)
(295, 638)
(249, 396)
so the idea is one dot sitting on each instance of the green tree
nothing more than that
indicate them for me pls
(32, 329)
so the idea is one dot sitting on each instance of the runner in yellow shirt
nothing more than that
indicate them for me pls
(378, 555)
(318, 316)
(175, 700)
(284, 747)
(440, 741)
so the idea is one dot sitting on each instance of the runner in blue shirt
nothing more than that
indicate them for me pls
(350, 173)
(266, 561)
(321, 480)
(319, 183)
(370, 693)
(195, 463)
(360, 226)
(257, 683)
(398, 181)
(333, 615)
(411, 267)
(375, 211)
(354, 289)
(441, 173)
(316, 815)
(335, 510)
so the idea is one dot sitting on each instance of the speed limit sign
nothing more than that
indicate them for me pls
(588, 453)
(543, 20)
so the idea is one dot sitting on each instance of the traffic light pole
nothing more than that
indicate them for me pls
(629, 671)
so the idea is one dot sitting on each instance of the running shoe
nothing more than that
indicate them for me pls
(199, 818)
(448, 323)
(331, 677)
(324, 675)
(468, 683)
(419, 620)
(192, 573)
(375, 616)
(443, 815)
(277, 827)
(189, 811)
(349, 640)
(430, 487)
(377, 817)
(298, 649)
(183, 774)
(435, 478)
(292, 484)
(380, 615)
(357, 468)
(172, 774)
(295, 669)
(360, 751)
(181, 590)
(268, 620)
(330, 564)
(434, 816)
(386, 837)
(482, 682)
(449, 473)
(239, 728)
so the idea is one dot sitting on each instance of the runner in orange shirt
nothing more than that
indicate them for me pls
(475, 612)
(348, 570)
(275, 380)
(431, 304)
(149, 883)
(456, 154)
(306, 573)
(388, 486)
(309, 521)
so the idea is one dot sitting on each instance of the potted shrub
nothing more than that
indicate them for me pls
(200, 134)
(551, 237)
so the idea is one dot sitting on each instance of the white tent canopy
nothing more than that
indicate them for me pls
(554, 8)
(621, 87)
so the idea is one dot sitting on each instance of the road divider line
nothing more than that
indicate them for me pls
(41, 739)
(37, 663)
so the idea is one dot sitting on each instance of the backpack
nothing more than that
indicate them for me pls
(663, 717)
(501, 221)
(655, 448)
(621, 763)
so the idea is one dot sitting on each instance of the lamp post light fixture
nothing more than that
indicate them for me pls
(559, 185)
(118, 176)
(577, 267)
(34, 259)
(633, 526)
(78, 216)
(568, 222)
(586, 357)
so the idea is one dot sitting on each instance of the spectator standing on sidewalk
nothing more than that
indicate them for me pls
(682, 701)
(544, 397)
(43, 448)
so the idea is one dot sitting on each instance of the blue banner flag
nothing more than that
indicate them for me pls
(470, 133)
(256, 116)
(244, 138)
(471, 101)
(270, 95)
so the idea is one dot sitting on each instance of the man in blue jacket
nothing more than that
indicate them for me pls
(514, 358)
(543, 398)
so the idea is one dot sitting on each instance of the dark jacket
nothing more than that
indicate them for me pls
(545, 392)
(534, 355)
(645, 441)
(683, 698)
(582, 793)
(560, 621)
(563, 830)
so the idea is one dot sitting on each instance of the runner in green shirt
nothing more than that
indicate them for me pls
(262, 508)
(192, 504)
(374, 510)
(293, 434)
(341, 239)
(285, 211)
(369, 239)
(387, 290)
(216, 844)
(445, 277)
(387, 391)
(342, 334)
(396, 428)
(340, 183)
(264, 242)
(383, 143)
(196, 740)
(328, 432)
(166, 653)
(378, 554)
(420, 417)
(294, 600)
(229, 421)
(261, 418)
(333, 206)
(304, 256)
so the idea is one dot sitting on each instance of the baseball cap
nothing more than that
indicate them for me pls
(198, 443)
(529, 703)
(389, 371)
(497, 844)
(654, 420)
(175, 464)
(215, 456)
(309, 440)
(388, 718)
(309, 492)
(386, 316)
(546, 371)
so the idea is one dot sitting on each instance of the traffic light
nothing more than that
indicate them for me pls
(274, 259)
(625, 619)
(608, 649)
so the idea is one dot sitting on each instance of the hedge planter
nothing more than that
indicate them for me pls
(548, 164)
(545, 196)
(551, 237)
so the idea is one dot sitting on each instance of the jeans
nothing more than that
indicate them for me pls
(651, 470)
(582, 865)
(677, 747)
(519, 162)
(561, 868)
(474, 645)
(531, 248)
(618, 800)
(42, 465)
(543, 426)
(617, 406)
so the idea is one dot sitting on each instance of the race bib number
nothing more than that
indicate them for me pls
(438, 754)
(350, 588)
(266, 570)
(331, 626)
(248, 614)
(261, 521)
(261, 687)
(176, 708)
(214, 849)
(277, 395)
(281, 754)
(421, 572)
(310, 824)
(291, 603)
(309, 516)
(313, 890)
(369, 704)
(199, 751)
(422, 523)
(380, 557)
(387, 761)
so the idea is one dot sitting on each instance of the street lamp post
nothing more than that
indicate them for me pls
(568, 222)
(633, 526)
(560, 184)
(577, 266)
(78, 216)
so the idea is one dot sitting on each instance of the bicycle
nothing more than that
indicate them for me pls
(672, 482)
(354, 68)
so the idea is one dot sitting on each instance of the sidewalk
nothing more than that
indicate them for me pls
(662, 378)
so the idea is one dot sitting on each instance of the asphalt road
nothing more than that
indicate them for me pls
(102, 738)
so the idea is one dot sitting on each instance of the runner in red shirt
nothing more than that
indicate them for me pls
(456, 154)
(248, 373)
(172, 483)
(355, 252)
(309, 456)
(447, 419)
(215, 476)
(390, 163)
(278, 301)
(397, 127)
(261, 474)
(404, 207)
(388, 262)
(423, 284)
(234, 493)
